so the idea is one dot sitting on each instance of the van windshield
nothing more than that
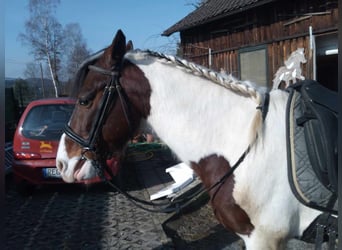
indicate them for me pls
(46, 122)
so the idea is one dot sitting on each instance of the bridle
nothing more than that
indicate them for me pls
(112, 91)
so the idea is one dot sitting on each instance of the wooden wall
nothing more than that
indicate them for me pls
(283, 29)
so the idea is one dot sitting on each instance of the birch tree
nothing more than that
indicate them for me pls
(44, 34)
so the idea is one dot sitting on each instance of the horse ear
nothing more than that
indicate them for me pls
(118, 47)
(129, 45)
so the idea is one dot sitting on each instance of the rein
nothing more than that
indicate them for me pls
(89, 145)
(164, 207)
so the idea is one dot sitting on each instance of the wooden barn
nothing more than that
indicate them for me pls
(251, 39)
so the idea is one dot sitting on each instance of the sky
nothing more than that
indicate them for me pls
(141, 21)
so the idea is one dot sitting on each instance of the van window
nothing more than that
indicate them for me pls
(46, 122)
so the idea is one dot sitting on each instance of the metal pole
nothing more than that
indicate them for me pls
(313, 53)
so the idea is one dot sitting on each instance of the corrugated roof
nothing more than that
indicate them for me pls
(210, 11)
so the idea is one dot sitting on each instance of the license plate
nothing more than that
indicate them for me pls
(51, 173)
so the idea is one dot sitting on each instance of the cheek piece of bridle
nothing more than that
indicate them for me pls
(111, 92)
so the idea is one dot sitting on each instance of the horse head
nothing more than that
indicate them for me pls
(106, 113)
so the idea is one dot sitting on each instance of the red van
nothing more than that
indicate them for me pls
(36, 141)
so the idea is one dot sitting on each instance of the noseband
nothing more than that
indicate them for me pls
(111, 92)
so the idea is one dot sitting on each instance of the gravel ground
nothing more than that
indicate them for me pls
(96, 217)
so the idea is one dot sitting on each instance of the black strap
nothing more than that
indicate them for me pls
(103, 71)
(264, 106)
(125, 108)
(165, 207)
(229, 173)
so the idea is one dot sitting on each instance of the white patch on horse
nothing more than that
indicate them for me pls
(198, 118)
(66, 166)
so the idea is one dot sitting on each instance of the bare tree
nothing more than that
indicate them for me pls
(32, 70)
(44, 34)
(76, 49)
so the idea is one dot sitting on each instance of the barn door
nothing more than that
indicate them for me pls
(327, 60)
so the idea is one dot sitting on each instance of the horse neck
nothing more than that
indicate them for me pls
(196, 117)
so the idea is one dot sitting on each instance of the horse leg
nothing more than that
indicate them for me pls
(262, 239)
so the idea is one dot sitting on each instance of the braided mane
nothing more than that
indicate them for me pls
(227, 81)
(243, 88)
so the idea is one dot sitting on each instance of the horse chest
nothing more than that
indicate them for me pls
(210, 169)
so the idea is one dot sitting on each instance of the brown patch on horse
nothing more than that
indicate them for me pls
(137, 87)
(135, 104)
(72, 148)
(227, 212)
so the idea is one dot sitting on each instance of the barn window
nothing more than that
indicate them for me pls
(253, 64)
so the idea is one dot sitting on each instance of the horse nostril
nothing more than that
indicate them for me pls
(60, 166)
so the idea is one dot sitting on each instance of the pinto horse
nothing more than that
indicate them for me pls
(211, 122)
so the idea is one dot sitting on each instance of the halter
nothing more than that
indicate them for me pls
(112, 91)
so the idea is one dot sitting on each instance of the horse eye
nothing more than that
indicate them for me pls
(84, 102)
(87, 99)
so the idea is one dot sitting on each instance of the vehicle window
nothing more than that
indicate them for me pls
(46, 122)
